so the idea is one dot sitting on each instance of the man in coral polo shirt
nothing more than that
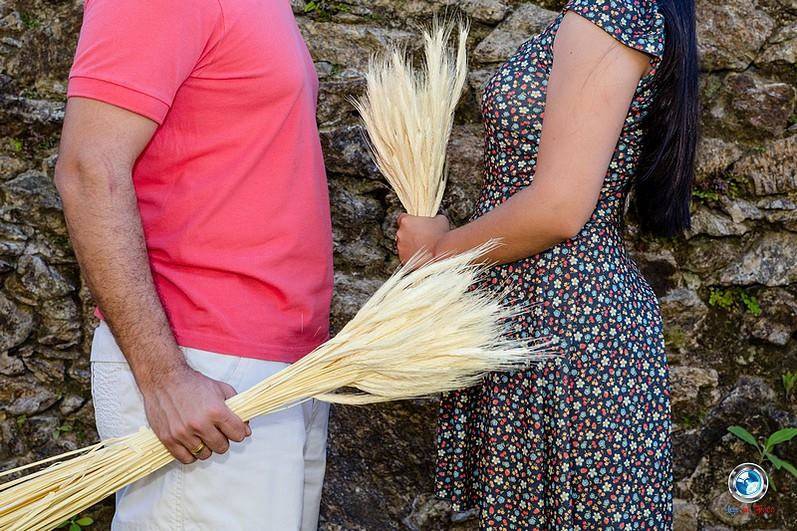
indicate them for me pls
(194, 190)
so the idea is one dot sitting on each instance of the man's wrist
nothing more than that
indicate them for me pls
(151, 374)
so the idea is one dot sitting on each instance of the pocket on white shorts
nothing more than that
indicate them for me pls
(118, 406)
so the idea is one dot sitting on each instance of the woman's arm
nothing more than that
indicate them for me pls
(592, 83)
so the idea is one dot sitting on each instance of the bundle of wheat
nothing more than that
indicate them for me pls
(409, 114)
(424, 331)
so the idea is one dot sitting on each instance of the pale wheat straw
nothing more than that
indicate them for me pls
(409, 115)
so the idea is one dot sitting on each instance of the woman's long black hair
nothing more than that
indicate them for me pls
(663, 187)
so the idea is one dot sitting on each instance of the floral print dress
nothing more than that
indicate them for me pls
(580, 441)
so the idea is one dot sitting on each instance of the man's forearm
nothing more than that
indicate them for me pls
(109, 244)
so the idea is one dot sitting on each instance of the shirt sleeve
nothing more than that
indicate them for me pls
(637, 24)
(136, 54)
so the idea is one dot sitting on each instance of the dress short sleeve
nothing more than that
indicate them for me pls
(637, 24)
(136, 54)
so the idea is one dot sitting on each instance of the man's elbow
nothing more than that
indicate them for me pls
(66, 177)
(78, 175)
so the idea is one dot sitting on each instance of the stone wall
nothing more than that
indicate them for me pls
(728, 290)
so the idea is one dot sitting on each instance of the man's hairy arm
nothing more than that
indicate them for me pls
(99, 146)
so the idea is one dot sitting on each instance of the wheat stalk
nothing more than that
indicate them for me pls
(424, 331)
(409, 115)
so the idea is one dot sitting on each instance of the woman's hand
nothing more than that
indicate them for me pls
(419, 232)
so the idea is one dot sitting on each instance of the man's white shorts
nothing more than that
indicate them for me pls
(271, 481)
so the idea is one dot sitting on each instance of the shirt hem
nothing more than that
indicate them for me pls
(263, 351)
(234, 347)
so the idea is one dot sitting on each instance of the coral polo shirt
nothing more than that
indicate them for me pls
(232, 189)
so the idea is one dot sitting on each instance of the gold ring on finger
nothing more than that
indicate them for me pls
(198, 450)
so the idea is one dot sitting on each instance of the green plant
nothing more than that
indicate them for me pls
(732, 298)
(711, 86)
(325, 8)
(692, 421)
(76, 523)
(750, 302)
(66, 428)
(722, 298)
(706, 195)
(765, 449)
(734, 184)
(789, 379)
(720, 184)
(675, 337)
(14, 144)
(29, 20)
(47, 143)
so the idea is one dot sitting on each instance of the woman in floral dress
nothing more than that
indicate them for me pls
(581, 441)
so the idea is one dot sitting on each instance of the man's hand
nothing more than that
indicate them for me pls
(419, 233)
(186, 410)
